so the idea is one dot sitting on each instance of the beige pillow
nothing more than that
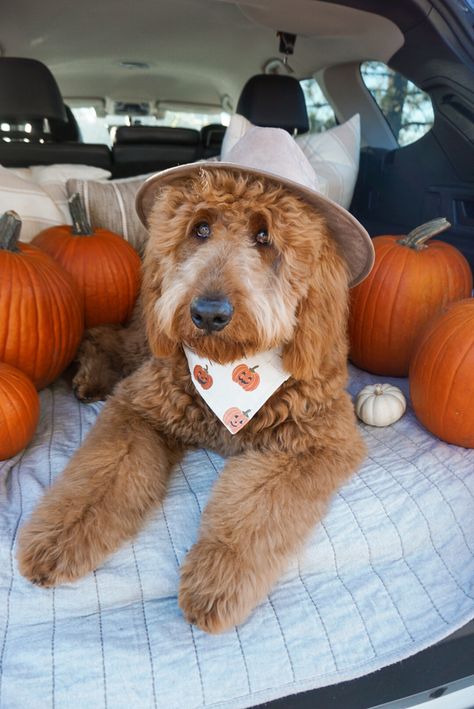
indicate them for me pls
(35, 207)
(334, 155)
(111, 205)
(53, 178)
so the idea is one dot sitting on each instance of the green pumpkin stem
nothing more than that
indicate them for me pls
(417, 237)
(80, 223)
(10, 227)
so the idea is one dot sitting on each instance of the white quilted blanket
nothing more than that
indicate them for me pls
(389, 572)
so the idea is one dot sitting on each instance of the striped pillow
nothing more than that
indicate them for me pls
(111, 205)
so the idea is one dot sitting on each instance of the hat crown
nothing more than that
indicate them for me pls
(273, 150)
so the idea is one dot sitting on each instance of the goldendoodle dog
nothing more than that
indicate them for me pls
(237, 263)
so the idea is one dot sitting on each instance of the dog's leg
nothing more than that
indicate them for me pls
(107, 354)
(100, 501)
(99, 363)
(262, 510)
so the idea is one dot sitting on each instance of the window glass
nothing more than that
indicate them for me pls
(408, 109)
(101, 129)
(320, 114)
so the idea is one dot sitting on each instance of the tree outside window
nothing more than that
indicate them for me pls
(408, 109)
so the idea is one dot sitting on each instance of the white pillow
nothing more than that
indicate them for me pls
(334, 155)
(35, 207)
(53, 178)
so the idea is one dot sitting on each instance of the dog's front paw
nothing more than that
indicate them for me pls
(89, 386)
(216, 590)
(49, 555)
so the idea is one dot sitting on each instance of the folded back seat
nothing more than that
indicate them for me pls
(141, 149)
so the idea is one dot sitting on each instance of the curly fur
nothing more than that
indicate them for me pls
(287, 462)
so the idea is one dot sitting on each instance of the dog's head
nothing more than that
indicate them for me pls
(235, 265)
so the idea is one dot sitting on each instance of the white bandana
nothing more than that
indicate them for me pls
(236, 391)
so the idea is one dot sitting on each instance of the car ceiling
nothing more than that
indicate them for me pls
(197, 51)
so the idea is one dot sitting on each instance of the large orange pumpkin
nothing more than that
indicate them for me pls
(19, 411)
(410, 282)
(442, 375)
(41, 311)
(104, 266)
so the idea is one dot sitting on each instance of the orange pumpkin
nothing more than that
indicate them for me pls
(202, 376)
(410, 282)
(235, 419)
(442, 375)
(19, 411)
(41, 312)
(104, 266)
(246, 377)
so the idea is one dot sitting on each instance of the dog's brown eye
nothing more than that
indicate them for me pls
(202, 230)
(262, 237)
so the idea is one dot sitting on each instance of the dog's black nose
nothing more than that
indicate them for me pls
(211, 314)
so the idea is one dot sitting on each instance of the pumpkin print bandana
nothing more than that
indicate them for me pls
(236, 391)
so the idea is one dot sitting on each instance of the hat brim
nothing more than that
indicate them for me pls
(353, 240)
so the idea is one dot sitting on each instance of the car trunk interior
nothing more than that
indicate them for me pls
(197, 55)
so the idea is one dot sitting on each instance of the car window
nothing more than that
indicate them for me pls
(101, 129)
(408, 109)
(320, 114)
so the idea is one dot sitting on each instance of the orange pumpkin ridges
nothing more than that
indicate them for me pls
(410, 282)
(442, 375)
(41, 311)
(19, 411)
(104, 266)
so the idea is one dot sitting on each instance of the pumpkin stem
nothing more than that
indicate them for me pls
(10, 227)
(378, 389)
(417, 237)
(80, 222)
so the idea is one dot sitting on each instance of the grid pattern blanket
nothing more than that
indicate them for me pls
(389, 572)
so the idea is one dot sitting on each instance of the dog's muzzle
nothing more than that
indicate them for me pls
(211, 314)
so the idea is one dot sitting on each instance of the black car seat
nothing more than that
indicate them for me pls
(30, 99)
(274, 101)
(141, 149)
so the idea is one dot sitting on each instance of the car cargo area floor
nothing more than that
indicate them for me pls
(389, 572)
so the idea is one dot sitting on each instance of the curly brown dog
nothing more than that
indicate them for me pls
(252, 244)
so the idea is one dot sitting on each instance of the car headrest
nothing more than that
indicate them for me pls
(65, 132)
(160, 135)
(28, 90)
(274, 101)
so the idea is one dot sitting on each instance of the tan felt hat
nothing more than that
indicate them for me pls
(272, 153)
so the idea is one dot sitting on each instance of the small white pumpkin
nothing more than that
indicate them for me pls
(380, 404)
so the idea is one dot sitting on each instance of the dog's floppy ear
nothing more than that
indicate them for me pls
(319, 345)
(160, 344)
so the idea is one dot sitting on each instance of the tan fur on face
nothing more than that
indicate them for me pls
(283, 466)
(265, 284)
